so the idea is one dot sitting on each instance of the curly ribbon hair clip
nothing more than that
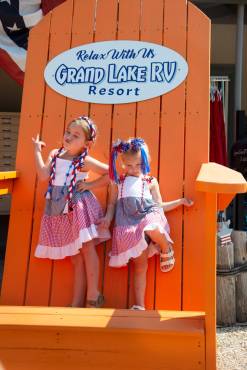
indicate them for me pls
(91, 126)
(119, 147)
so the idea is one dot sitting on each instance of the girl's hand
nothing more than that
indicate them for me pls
(38, 144)
(83, 185)
(187, 202)
(103, 223)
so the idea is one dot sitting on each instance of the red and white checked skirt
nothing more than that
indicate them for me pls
(63, 235)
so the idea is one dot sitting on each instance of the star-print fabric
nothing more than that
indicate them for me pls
(17, 17)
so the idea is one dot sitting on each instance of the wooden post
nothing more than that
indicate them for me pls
(225, 256)
(240, 255)
(239, 239)
(241, 297)
(210, 279)
(226, 302)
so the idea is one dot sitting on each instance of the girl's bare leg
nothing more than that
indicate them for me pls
(79, 288)
(92, 270)
(140, 275)
(161, 240)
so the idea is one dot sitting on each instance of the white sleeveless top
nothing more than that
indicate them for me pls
(62, 167)
(133, 186)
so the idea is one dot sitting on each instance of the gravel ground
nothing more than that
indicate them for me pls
(232, 348)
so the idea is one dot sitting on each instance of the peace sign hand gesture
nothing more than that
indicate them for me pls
(38, 144)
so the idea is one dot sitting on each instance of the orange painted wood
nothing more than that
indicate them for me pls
(40, 271)
(216, 178)
(63, 270)
(176, 128)
(62, 279)
(196, 152)
(20, 226)
(124, 116)
(105, 318)
(34, 310)
(223, 200)
(80, 35)
(121, 337)
(209, 283)
(171, 156)
(225, 181)
(147, 126)
(102, 115)
(6, 187)
(189, 352)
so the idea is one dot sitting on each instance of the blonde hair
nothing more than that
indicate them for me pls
(132, 152)
(88, 126)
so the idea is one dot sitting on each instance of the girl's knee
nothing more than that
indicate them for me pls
(141, 269)
(141, 264)
(88, 248)
(76, 260)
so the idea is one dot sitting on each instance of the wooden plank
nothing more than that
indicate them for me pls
(102, 114)
(209, 279)
(124, 116)
(20, 226)
(34, 311)
(6, 186)
(224, 200)
(124, 350)
(147, 125)
(42, 323)
(216, 178)
(153, 320)
(40, 270)
(62, 279)
(171, 160)
(189, 354)
(81, 35)
(5, 175)
(121, 337)
(196, 153)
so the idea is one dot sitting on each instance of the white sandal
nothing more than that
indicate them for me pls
(170, 262)
(139, 308)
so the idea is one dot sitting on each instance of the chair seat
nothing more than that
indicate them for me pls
(74, 338)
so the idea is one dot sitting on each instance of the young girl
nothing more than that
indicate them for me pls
(139, 219)
(69, 224)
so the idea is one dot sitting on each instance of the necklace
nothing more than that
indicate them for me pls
(74, 167)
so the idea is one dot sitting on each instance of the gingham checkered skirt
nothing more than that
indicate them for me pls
(129, 240)
(62, 235)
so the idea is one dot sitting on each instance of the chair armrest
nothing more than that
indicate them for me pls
(7, 179)
(215, 178)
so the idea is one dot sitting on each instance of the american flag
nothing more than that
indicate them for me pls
(17, 17)
(225, 239)
(224, 233)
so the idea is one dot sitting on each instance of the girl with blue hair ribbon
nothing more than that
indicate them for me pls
(141, 228)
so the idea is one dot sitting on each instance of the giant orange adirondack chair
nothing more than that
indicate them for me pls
(178, 330)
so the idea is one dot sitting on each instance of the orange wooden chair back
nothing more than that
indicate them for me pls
(175, 126)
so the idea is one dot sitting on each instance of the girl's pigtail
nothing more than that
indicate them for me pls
(118, 147)
(139, 144)
(52, 173)
(77, 164)
(145, 161)
(112, 167)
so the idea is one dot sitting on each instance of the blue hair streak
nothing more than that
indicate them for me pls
(145, 161)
